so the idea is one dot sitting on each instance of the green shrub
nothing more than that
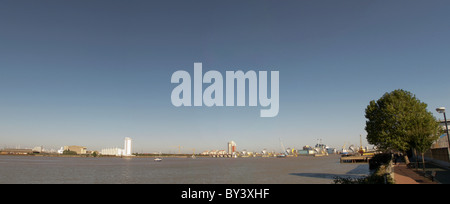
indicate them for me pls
(379, 162)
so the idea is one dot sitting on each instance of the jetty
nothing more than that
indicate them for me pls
(356, 159)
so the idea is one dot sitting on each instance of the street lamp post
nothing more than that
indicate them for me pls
(442, 110)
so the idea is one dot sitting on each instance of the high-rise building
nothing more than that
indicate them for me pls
(231, 147)
(127, 147)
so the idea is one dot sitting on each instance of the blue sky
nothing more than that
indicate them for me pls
(94, 72)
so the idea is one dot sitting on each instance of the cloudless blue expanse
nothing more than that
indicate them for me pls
(95, 71)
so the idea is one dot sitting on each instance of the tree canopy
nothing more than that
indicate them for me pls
(400, 121)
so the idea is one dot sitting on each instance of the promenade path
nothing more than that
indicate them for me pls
(405, 175)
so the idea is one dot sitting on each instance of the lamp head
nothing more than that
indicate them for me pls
(440, 110)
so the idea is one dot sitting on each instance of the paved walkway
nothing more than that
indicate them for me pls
(405, 175)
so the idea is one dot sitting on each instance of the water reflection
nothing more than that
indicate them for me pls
(358, 171)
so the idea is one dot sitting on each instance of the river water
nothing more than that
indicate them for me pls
(299, 170)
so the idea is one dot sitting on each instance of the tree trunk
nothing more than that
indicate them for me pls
(406, 159)
(416, 158)
(423, 162)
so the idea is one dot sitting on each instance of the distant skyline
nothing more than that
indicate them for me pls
(92, 72)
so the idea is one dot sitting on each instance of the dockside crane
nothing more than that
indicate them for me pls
(179, 148)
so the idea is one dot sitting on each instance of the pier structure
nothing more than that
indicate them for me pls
(356, 159)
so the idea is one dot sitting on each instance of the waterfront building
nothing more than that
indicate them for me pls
(77, 149)
(442, 124)
(214, 153)
(16, 151)
(126, 151)
(127, 147)
(439, 151)
(112, 151)
(442, 142)
(38, 149)
(231, 147)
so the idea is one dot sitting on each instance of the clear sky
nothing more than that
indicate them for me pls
(93, 72)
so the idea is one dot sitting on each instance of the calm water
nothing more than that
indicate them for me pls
(28, 169)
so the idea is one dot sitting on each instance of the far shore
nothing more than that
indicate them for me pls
(107, 156)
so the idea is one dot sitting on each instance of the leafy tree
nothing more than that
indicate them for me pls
(68, 152)
(400, 121)
(423, 134)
